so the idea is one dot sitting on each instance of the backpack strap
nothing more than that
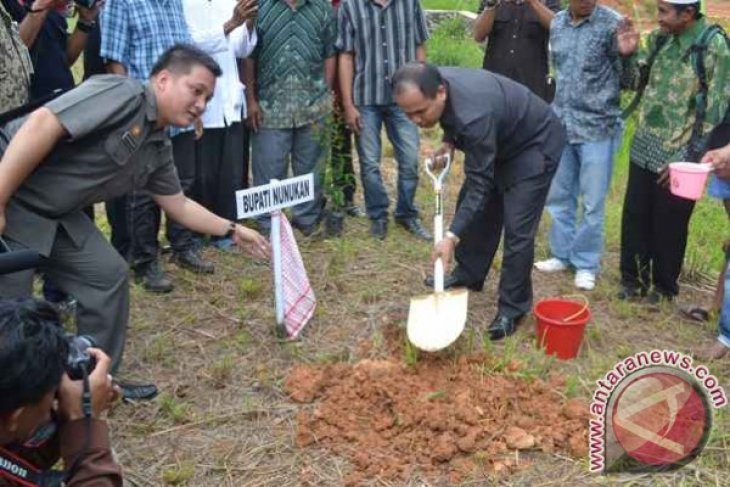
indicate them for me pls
(644, 72)
(697, 54)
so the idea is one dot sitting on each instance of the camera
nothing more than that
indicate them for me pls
(86, 3)
(79, 362)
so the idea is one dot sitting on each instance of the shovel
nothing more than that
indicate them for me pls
(436, 320)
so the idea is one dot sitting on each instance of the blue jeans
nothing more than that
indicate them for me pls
(307, 147)
(724, 335)
(584, 173)
(403, 134)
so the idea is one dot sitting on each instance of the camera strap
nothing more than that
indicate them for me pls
(18, 470)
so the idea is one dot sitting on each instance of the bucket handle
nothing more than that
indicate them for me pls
(586, 304)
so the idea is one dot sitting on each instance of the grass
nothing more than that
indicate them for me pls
(451, 44)
(467, 5)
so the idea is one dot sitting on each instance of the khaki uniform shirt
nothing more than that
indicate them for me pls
(15, 66)
(113, 147)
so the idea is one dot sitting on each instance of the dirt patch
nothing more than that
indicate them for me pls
(442, 417)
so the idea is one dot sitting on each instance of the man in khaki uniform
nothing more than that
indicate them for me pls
(98, 141)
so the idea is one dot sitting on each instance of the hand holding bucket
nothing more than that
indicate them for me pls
(687, 179)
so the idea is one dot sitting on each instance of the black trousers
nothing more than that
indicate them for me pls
(341, 159)
(145, 216)
(517, 211)
(221, 169)
(654, 229)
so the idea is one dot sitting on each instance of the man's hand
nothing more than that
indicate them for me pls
(352, 118)
(720, 160)
(444, 250)
(46, 4)
(627, 37)
(103, 392)
(252, 242)
(663, 179)
(245, 10)
(89, 14)
(254, 115)
(438, 157)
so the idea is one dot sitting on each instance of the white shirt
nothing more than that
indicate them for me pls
(205, 19)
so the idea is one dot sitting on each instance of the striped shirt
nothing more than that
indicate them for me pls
(293, 45)
(382, 39)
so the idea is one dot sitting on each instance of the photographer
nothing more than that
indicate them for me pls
(35, 390)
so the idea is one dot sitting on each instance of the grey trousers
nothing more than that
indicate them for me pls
(308, 147)
(96, 275)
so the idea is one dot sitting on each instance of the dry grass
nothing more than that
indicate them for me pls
(223, 420)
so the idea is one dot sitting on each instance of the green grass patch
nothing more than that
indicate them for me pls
(451, 44)
(467, 5)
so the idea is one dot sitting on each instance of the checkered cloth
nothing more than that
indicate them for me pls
(299, 300)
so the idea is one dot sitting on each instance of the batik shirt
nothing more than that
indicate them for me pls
(667, 111)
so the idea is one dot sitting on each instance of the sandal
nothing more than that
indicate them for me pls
(693, 313)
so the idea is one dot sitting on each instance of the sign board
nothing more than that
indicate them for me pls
(274, 196)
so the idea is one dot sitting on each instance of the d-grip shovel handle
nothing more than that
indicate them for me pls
(438, 218)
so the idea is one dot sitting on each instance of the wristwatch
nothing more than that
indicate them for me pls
(452, 236)
(85, 26)
(231, 230)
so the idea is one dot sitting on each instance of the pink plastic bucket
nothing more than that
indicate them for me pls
(687, 179)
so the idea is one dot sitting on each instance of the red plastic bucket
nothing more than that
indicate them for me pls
(560, 326)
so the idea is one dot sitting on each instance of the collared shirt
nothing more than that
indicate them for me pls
(517, 46)
(15, 65)
(507, 133)
(205, 20)
(667, 110)
(137, 32)
(293, 44)
(113, 146)
(51, 71)
(587, 74)
(383, 39)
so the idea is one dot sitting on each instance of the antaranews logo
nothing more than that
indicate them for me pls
(652, 412)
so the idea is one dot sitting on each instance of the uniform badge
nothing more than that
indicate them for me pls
(136, 130)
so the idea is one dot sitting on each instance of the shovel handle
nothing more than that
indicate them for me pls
(438, 265)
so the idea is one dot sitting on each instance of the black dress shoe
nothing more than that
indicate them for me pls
(152, 278)
(630, 292)
(191, 260)
(379, 228)
(137, 392)
(502, 326)
(414, 226)
(455, 280)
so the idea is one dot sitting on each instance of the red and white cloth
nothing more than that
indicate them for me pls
(299, 300)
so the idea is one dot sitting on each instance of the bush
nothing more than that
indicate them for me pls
(451, 44)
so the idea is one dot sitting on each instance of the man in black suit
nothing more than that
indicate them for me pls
(512, 143)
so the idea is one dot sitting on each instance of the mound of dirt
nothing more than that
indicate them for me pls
(440, 417)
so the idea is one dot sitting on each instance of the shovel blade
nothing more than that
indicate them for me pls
(436, 320)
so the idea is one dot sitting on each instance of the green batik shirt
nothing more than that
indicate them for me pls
(293, 44)
(15, 65)
(667, 111)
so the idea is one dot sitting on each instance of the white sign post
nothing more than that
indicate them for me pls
(272, 198)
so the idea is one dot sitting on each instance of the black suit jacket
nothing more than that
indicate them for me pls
(506, 132)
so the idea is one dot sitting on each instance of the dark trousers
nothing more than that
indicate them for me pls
(221, 169)
(145, 215)
(517, 211)
(654, 228)
(341, 159)
(120, 224)
(93, 273)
